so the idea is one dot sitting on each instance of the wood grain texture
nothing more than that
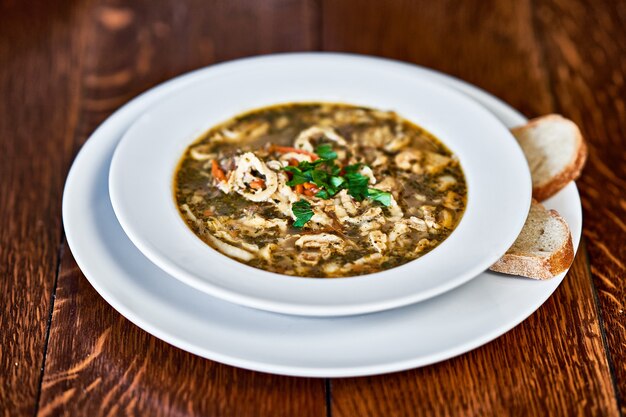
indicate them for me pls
(65, 66)
(37, 117)
(585, 45)
(488, 43)
(552, 364)
(98, 363)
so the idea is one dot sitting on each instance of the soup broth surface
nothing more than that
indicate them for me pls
(320, 190)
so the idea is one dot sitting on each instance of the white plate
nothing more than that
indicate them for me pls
(405, 338)
(497, 175)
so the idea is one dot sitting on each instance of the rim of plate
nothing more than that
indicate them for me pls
(499, 185)
(80, 200)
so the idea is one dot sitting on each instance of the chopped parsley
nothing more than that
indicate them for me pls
(298, 176)
(330, 178)
(303, 212)
(357, 185)
(382, 197)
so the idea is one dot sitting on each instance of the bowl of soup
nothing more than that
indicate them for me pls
(320, 184)
(320, 189)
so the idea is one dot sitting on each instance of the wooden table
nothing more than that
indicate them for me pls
(66, 65)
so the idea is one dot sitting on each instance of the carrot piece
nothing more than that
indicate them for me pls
(217, 172)
(256, 184)
(287, 149)
(299, 188)
(294, 162)
(310, 189)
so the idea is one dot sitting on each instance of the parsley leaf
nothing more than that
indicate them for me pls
(326, 152)
(307, 166)
(382, 197)
(352, 169)
(336, 181)
(357, 185)
(320, 178)
(298, 176)
(335, 169)
(303, 212)
(298, 179)
(323, 194)
(292, 169)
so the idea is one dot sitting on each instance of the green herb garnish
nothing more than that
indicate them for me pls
(303, 212)
(330, 178)
(352, 169)
(298, 175)
(323, 194)
(382, 197)
(357, 185)
(326, 152)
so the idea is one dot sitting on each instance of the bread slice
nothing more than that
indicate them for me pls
(543, 248)
(555, 150)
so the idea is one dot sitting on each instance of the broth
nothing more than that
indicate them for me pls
(320, 190)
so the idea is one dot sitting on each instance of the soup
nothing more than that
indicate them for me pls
(320, 190)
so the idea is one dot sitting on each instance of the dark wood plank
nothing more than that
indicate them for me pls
(552, 364)
(488, 43)
(586, 50)
(37, 120)
(555, 362)
(98, 363)
(127, 47)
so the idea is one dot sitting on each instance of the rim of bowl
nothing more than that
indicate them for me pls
(239, 268)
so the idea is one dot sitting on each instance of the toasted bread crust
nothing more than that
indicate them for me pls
(530, 264)
(570, 173)
(536, 267)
